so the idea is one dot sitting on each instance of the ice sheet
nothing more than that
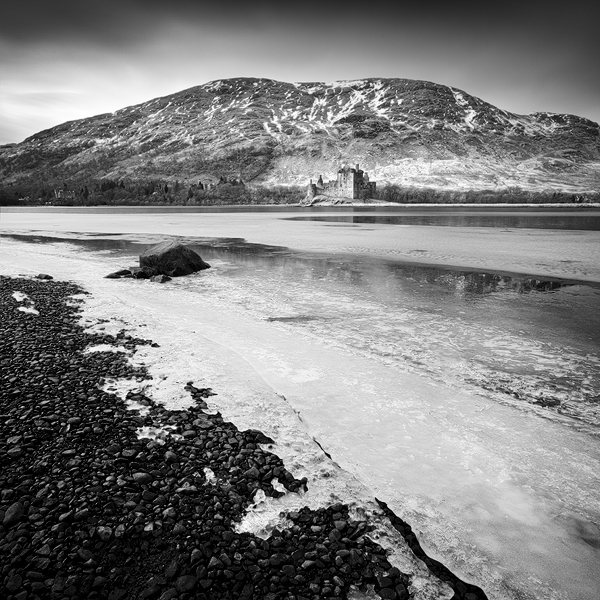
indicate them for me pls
(104, 348)
(507, 500)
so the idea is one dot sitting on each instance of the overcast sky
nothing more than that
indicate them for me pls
(68, 59)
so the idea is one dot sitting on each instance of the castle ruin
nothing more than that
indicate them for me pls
(350, 183)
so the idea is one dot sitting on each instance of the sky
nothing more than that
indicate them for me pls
(62, 60)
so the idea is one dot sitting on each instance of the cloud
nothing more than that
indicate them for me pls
(24, 111)
(121, 21)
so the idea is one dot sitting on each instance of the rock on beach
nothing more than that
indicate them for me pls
(172, 259)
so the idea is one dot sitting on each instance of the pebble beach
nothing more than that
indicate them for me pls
(90, 508)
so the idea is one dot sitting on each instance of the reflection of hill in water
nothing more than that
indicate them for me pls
(487, 283)
(355, 271)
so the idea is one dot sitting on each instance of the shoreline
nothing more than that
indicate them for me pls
(325, 207)
(250, 349)
(82, 491)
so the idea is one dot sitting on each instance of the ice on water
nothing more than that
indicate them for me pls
(399, 379)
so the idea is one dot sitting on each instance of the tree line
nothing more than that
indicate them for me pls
(509, 195)
(111, 192)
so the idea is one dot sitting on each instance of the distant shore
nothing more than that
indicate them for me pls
(287, 207)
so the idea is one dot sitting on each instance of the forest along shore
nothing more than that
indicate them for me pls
(90, 508)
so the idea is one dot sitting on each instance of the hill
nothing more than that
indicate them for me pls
(401, 131)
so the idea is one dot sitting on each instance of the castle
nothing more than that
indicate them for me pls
(350, 183)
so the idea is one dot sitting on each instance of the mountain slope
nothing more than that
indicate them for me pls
(271, 132)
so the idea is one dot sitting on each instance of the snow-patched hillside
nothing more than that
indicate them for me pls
(272, 132)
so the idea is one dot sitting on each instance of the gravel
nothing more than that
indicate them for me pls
(89, 510)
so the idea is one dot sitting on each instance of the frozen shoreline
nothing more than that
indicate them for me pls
(129, 470)
(245, 355)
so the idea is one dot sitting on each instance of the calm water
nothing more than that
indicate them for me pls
(581, 221)
(520, 339)
(534, 216)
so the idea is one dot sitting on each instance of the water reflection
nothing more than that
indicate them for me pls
(358, 272)
(578, 221)
(375, 274)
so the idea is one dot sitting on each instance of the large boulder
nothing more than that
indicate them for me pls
(173, 259)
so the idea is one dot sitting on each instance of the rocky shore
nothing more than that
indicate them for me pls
(88, 508)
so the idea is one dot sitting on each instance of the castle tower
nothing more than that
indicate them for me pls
(349, 183)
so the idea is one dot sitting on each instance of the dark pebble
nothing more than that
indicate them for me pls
(185, 583)
(13, 514)
(142, 478)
